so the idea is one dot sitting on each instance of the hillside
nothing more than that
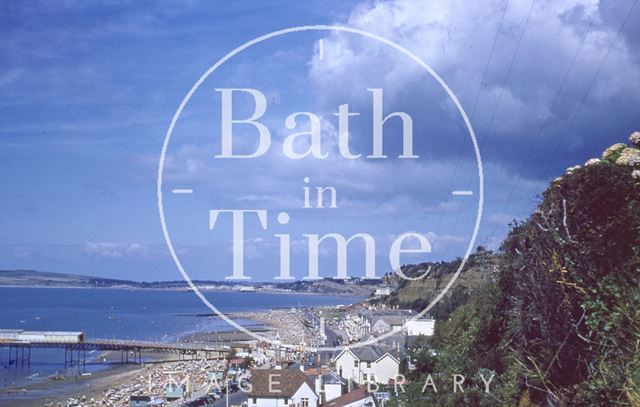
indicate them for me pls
(32, 278)
(356, 287)
(560, 325)
(480, 269)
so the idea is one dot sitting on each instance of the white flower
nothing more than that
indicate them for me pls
(571, 170)
(557, 180)
(634, 138)
(630, 156)
(592, 161)
(636, 174)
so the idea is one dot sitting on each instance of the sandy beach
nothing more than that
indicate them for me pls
(114, 386)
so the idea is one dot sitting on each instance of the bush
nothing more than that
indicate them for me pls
(571, 276)
(561, 326)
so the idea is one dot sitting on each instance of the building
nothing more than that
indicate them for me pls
(356, 398)
(18, 335)
(329, 386)
(388, 323)
(367, 364)
(380, 326)
(280, 388)
(382, 291)
(420, 327)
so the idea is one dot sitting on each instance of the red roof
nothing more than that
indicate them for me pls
(263, 382)
(345, 399)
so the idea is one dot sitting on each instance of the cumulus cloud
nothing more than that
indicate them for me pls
(522, 70)
(514, 101)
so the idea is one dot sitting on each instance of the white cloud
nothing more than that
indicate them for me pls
(115, 250)
(455, 38)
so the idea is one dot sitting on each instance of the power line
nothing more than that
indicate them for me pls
(475, 104)
(495, 109)
(580, 104)
(546, 118)
(588, 90)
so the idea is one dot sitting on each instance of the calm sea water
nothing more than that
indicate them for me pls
(124, 314)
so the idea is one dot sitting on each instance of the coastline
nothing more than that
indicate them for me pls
(114, 383)
(177, 289)
(49, 392)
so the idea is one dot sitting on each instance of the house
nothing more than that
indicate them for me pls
(380, 326)
(388, 323)
(280, 388)
(356, 398)
(367, 364)
(356, 326)
(423, 326)
(329, 386)
(382, 291)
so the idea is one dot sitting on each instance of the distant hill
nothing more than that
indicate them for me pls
(33, 278)
(357, 287)
(45, 279)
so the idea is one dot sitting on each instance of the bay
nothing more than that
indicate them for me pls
(128, 314)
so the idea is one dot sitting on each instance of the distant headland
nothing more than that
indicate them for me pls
(34, 278)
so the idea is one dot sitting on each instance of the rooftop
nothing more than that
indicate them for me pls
(284, 382)
(351, 397)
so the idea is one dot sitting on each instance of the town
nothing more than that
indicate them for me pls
(361, 370)
(340, 356)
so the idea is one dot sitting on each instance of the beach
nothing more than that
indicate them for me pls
(118, 314)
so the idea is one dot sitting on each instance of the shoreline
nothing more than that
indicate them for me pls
(45, 391)
(115, 380)
(181, 289)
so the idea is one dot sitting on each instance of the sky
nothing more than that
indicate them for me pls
(88, 91)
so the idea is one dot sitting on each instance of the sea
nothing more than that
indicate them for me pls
(129, 314)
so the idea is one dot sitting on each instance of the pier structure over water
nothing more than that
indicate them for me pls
(20, 343)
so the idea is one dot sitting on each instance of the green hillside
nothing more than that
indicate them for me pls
(560, 325)
(480, 269)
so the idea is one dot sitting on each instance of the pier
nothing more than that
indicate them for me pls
(20, 343)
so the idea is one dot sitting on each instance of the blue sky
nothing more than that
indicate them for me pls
(87, 92)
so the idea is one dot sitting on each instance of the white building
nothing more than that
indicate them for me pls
(367, 364)
(280, 388)
(19, 335)
(420, 327)
(329, 386)
(382, 291)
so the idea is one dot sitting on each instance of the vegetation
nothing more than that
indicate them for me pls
(560, 325)
(479, 270)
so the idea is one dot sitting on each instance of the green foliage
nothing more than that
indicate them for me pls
(571, 276)
(561, 325)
